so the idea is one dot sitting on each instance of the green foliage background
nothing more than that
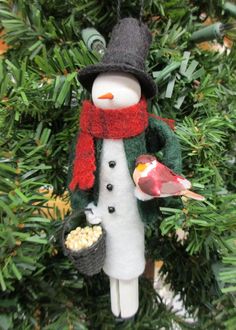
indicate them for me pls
(40, 99)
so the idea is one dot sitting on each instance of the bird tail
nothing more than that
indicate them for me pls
(191, 194)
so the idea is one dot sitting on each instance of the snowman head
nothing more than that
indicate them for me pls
(114, 90)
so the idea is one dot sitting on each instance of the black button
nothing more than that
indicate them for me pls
(112, 163)
(111, 209)
(109, 187)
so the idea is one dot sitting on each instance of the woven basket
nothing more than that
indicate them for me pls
(88, 261)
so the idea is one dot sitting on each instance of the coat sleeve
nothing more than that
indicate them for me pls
(159, 137)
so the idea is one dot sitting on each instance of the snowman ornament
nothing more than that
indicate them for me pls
(114, 130)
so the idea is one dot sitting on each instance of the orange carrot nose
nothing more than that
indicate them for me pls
(109, 96)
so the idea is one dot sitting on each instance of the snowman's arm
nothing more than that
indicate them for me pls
(80, 199)
(160, 137)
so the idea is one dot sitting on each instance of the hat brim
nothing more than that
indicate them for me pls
(87, 76)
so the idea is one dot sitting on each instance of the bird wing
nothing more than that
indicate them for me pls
(148, 186)
(169, 181)
(164, 173)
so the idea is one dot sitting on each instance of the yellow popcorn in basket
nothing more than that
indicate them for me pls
(82, 238)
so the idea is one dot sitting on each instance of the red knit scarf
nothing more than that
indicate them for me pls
(104, 124)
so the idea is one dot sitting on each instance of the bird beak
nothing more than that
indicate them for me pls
(108, 96)
(141, 167)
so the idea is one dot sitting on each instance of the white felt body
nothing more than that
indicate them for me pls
(125, 231)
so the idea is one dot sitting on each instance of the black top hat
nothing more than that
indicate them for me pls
(126, 52)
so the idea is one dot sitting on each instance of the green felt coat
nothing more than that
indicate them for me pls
(157, 137)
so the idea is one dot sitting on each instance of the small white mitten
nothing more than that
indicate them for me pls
(92, 214)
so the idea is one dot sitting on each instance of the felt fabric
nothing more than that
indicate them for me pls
(126, 52)
(106, 124)
(158, 136)
(169, 122)
(124, 227)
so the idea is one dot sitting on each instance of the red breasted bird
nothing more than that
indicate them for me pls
(153, 179)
